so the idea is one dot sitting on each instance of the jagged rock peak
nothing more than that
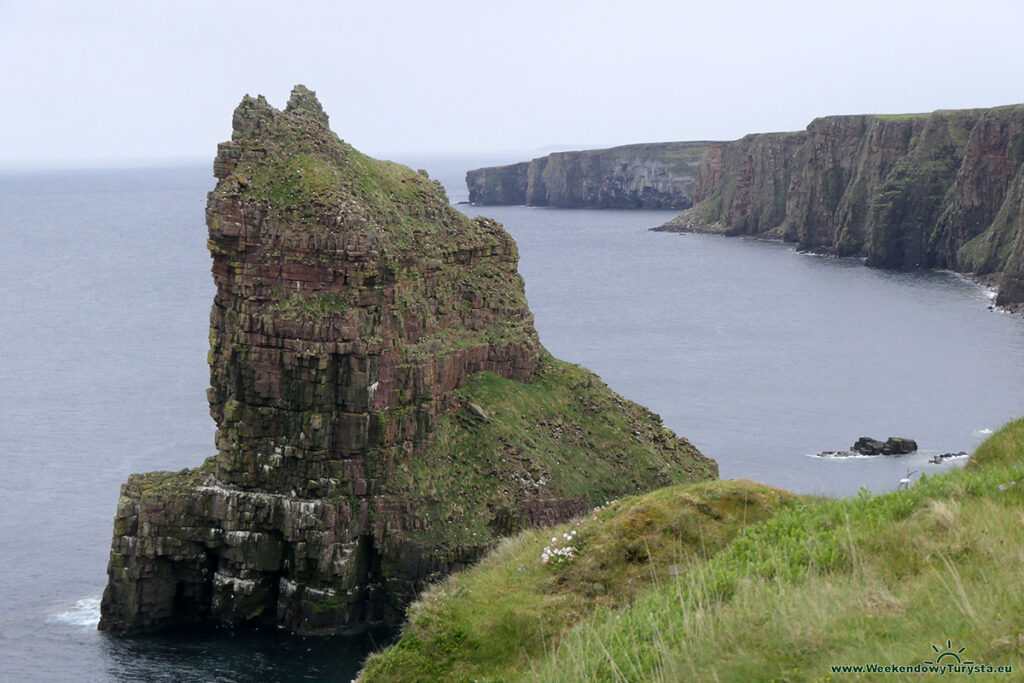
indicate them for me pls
(254, 117)
(304, 100)
(250, 117)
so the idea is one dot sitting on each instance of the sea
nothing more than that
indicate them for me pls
(761, 355)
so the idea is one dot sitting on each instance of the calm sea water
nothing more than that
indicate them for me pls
(758, 354)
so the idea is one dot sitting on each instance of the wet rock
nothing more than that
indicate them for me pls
(865, 445)
(942, 457)
(894, 445)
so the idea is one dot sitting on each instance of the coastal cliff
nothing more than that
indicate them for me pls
(644, 176)
(939, 190)
(384, 409)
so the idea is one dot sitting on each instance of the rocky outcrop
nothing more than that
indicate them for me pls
(894, 445)
(918, 191)
(865, 445)
(384, 408)
(645, 176)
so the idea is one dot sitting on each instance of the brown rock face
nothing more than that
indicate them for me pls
(384, 408)
(324, 319)
(917, 191)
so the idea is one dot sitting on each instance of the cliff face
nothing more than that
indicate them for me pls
(646, 176)
(384, 408)
(930, 190)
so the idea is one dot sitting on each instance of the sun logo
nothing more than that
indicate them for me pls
(948, 656)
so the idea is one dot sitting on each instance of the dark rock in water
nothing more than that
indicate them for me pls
(867, 446)
(897, 445)
(939, 459)
(356, 312)
(894, 445)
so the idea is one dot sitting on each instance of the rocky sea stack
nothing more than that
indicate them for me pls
(384, 408)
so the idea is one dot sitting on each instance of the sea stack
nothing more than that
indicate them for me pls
(384, 408)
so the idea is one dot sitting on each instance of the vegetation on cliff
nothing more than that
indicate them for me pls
(509, 440)
(731, 580)
(385, 411)
(916, 191)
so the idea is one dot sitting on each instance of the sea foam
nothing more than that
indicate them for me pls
(84, 613)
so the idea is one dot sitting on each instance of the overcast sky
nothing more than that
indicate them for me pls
(117, 81)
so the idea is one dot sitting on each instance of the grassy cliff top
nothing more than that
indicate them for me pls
(731, 580)
(663, 150)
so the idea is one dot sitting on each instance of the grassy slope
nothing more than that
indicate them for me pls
(658, 591)
(531, 444)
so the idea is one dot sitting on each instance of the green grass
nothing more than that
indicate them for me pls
(315, 305)
(769, 587)
(901, 117)
(514, 607)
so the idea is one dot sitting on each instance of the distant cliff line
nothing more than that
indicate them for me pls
(939, 190)
(643, 176)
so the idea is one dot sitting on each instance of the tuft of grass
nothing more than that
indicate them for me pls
(316, 305)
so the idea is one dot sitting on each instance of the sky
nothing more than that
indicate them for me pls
(116, 82)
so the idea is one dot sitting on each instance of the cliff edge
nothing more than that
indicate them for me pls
(942, 190)
(384, 408)
(656, 175)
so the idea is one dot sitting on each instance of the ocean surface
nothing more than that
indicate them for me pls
(760, 355)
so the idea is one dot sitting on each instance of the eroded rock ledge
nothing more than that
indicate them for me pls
(384, 408)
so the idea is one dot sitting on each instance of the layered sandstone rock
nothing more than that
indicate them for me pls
(384, 408)
(644, 176)
(916, 191)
